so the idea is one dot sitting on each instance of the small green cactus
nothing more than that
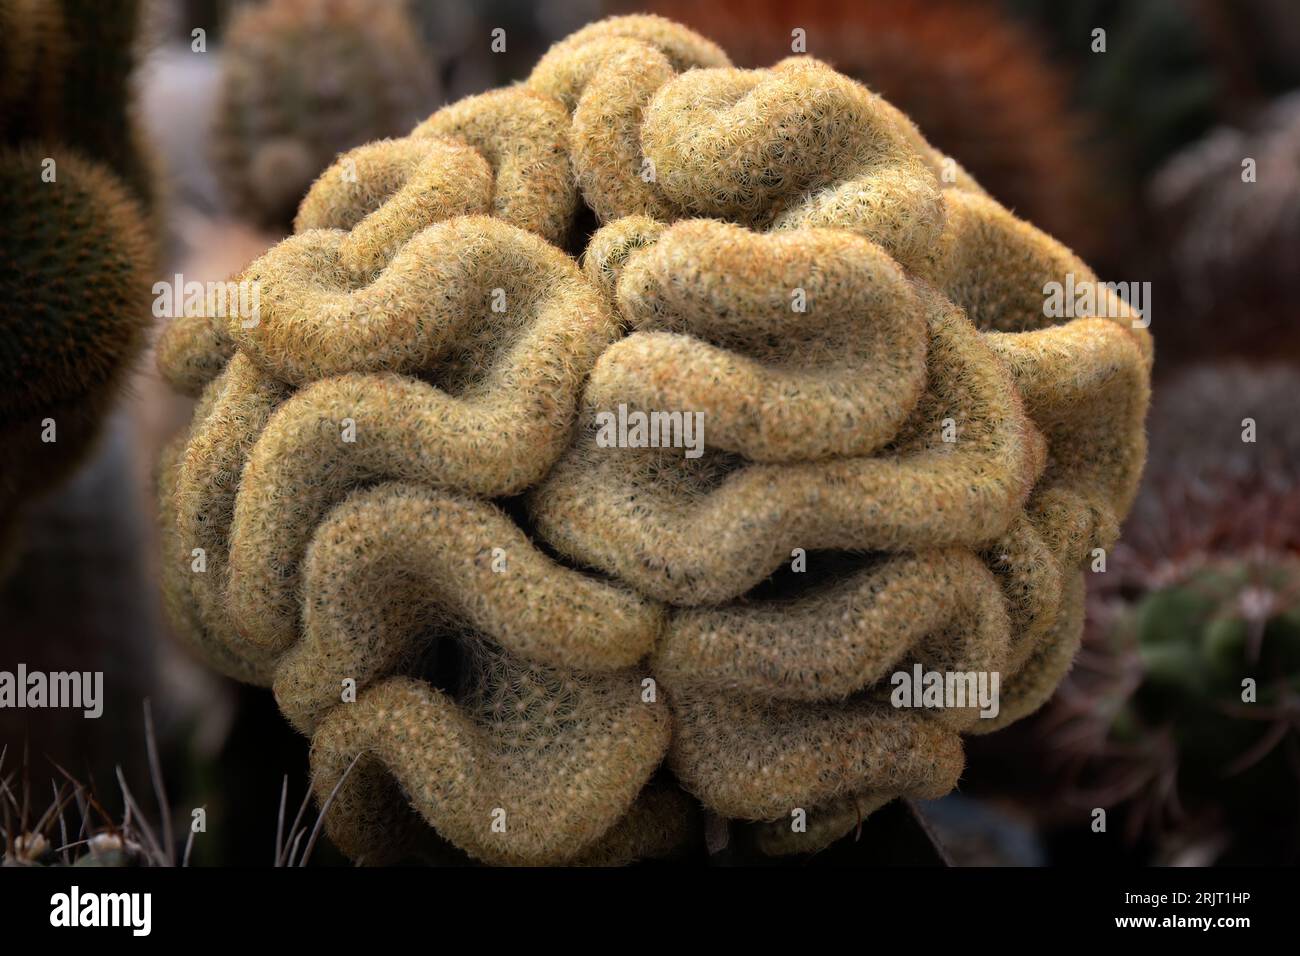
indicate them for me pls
(1193, 723)
(1199, 641)
(304, 80)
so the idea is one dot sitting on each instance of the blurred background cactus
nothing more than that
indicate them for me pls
(75, 265)
(88, 824)
(77, 260)
(1182, 712)
(78, 255)
(78, 251)
(69, 74)
(29, 60)
(303, 80)
(98, 101)
(1147, 75)
(1228, 208)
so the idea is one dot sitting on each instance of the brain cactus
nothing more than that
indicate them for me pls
(399, 507)
(75, 267)
(1198, 637)
(304, 80)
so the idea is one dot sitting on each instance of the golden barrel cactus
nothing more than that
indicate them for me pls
(400, 505)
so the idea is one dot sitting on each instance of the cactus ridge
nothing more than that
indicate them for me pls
(667, 524)
(540, 611)
(558, 757)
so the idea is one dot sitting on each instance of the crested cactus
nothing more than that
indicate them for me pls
(77, 263)
(402, 504)
(75, 258)
(304, 80)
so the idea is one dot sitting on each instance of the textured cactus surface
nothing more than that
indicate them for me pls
(75, 255)
(396, 484)
(304, 80)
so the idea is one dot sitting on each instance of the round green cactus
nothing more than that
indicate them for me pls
(1181, 709)
(67, 76)
(75, 272)
(75, 269)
